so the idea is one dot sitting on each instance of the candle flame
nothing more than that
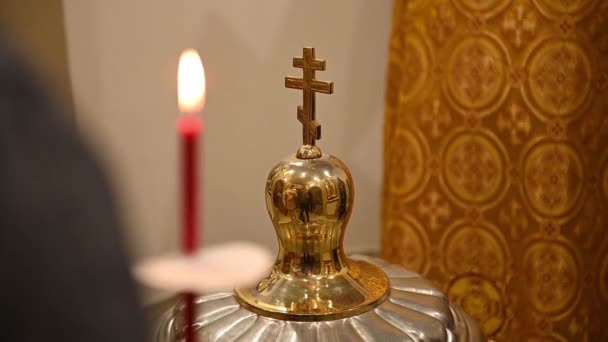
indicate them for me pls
(190, 82)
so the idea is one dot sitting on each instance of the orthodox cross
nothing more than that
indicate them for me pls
(311, 128)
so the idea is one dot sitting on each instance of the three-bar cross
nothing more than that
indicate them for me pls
(311, 129)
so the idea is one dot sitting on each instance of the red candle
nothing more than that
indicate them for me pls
(191, 94)
(189, 127)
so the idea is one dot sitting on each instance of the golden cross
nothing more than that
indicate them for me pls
(311, 128)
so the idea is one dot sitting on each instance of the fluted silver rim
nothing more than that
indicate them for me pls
(414, 311)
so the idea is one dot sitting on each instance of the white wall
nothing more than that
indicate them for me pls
(123, 58)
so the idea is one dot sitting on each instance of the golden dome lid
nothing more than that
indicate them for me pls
(309, 197)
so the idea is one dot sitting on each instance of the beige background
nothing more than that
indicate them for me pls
(123, 59)
(37, 28)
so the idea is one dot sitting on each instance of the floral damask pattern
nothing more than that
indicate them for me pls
(474, 249)
(553, 179)
(551, 276)
(481, 299)
(406, 244)
(559, 77)
(496, 160)
(476, 73)
(474, 168)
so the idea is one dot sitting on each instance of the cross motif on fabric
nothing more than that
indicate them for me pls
(520, 21)
(311, 128)
(436, 117)
(515, 121)
(435, 208)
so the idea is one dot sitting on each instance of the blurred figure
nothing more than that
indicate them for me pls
(65, 274)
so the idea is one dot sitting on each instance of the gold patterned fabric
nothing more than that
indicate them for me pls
(496, 154)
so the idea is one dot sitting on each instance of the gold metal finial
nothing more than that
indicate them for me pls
(311, 128)
(309, 198)
(309, 202)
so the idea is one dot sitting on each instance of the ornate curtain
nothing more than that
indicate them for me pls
(496, 154)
